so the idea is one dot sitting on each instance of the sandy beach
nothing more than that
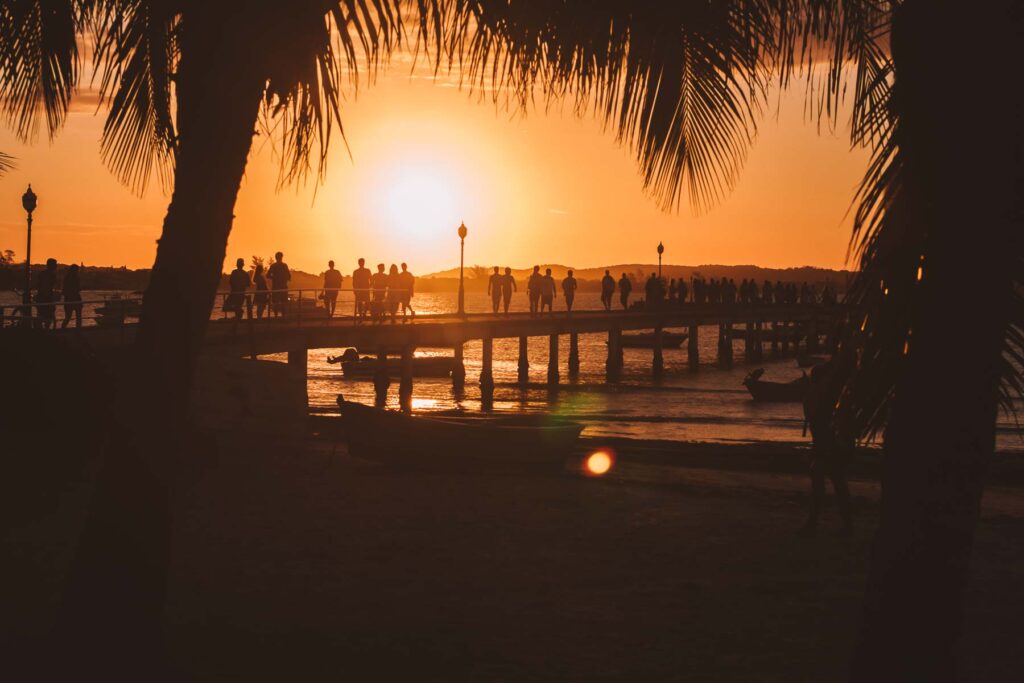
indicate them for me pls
(293, 561)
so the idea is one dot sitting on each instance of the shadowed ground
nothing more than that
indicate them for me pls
(294, 561)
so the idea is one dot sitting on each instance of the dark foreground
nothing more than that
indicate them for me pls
(292, 561)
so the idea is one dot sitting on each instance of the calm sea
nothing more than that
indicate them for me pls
(708, 405)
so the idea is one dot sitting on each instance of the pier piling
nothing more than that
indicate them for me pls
(487, 374)
(524, 362)
(381, 381)
(658, 366)
(553, 360)
(405, 384)
(458, 370)
(692, 350)
(574, 355)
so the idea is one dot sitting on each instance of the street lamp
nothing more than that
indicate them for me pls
(661, 250)
(462, 253)
(28, 202)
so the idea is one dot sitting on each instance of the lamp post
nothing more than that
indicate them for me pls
(462, 253)
(28, 202)
(661, 250)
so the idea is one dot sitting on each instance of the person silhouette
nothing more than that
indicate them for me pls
(494, 288)
(394, 292)
(508, 285)
(260, 298)
(361, 290)
(71, 290)
(46, 295)
(625, 288)
(379, 285)
(547, 291)
(238, 284)
(607, 290)
(407, 282)
(569, 285)
(332, 283)
(533, 287)
(279, 277)
(830, 447)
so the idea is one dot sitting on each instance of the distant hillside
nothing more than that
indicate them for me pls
(476, 276)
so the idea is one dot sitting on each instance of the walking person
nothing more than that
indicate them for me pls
(279, 277)
(71, 291)
(332, 283)
(394, 292)
(607, 290)
(494, 289)
(547, 292)
(238, 285)
(508, 285)
(261, 297)
(379, 288)
(46, 295)
(361, 289)
(625, 287)
(533, 286)
(407, 281)
(569, 285)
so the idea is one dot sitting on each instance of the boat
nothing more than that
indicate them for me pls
(453, 442)
(645, 340)
(777, 392)
(116, 309)
(365, 367)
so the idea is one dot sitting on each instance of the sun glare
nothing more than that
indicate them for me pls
(599, 463)
(418, 199)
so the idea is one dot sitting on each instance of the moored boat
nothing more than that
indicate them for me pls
(455, 442)
(645, 340)
(778, 392)
(356, 367)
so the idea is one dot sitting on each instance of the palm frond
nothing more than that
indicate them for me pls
(6, 163)
(39, 63)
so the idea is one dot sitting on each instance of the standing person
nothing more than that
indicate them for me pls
(71, 290)
(379, 285)
(260, 299)
(361, 287)
(625, 287)
(607, 290)
(533, 286)
(46, 295)
(394, 292)
(238, 284)
(508, 285)
(407, 282)
(829, 446)
(547, 291)
(332, 283)
(494, 289)
(681, 292)
(279, 277)
(569, 286)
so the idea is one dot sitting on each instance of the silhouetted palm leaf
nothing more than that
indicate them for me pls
(6, 163)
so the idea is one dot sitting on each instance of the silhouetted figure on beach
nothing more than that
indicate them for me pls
(260, 298)
(494, 288)
(533, 287)
(508, 285)
(238, 285)
(654, 291)
(767, 292)
(607, 290)
(547, 292)
(46, 295)
(625, 287)
(332, 283)
(394, 292)
(830, 446)
(361, 289)
(71, 291)
(569, 285)
(379, 285)
(407, 281)
(682, 291)
(672, 291)
(279, 277)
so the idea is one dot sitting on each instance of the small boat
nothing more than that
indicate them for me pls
(365, 367)
(645, 340)
(456, 442)
(777, 392)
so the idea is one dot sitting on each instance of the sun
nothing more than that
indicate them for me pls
(416, 198)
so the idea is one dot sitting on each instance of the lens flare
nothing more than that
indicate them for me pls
(599, 463)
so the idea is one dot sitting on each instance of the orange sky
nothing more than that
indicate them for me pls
(544, 188)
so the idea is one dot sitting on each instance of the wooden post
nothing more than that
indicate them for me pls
(775, 338)
(812, 336)
(574, 355)
(524, 362)
(553, 360)
(692, 348)
(381, 381)
(297, 369)
(613, 366)
(659, 357)
(487, 374)
(785, 338)
(748, 343)
(405, 384)
(725, 345)
(458, 370)
(758, 348)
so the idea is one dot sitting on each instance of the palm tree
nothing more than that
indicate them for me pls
(6, 163)
(682, 84)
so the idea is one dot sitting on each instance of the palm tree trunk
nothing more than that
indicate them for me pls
(111, 615)
(961, 171)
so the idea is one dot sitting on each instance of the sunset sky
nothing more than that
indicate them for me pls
(547, 187)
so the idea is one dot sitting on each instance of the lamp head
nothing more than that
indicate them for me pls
(463, 231)
(661, 248)
(28, 200)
